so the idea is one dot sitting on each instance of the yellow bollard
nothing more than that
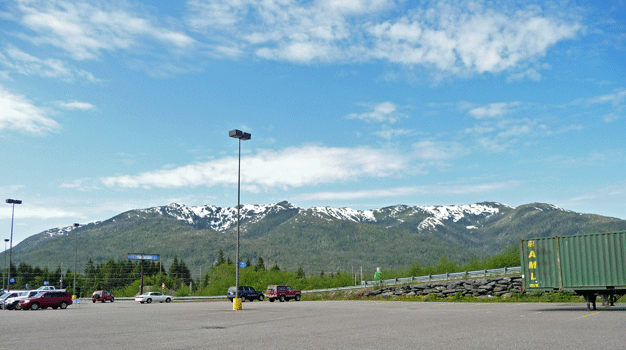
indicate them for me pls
(237, 304)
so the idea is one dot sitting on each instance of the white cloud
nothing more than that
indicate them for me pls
(85, 30)
(616, 98)
(493, 110)
(390, 133)
(380, 112)
(451, 36)
(412, 191)
(27, 211)
(436, 151)
(18, 113)
(23, 63)
(291, 167)
(83, 106)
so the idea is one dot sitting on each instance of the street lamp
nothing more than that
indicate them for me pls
(13, 202)
(75, 255)
(6, 240)
(238, 134)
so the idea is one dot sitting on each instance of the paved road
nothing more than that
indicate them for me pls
(315, 325)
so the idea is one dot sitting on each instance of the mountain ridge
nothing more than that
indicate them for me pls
(315, 238)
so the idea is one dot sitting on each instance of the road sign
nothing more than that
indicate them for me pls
(133, 256)
(242, 264)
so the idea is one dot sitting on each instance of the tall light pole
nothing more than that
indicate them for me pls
(13, 202)
(238, 134)
(75, 255)
(6, 240)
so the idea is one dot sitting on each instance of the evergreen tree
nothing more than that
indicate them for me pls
(220, 258)
(174, 268)
(260, 265)
(300, 273)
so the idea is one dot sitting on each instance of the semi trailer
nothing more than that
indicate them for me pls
(589, 265)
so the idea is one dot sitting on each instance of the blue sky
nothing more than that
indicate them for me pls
(107, 106)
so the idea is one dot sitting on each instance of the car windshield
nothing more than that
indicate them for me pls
(4, 295)
(39, 295)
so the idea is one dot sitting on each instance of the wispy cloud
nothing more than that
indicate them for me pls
(379, 113)
(493, 110)
(20, 62)
(456, 37)
(18, 113)
(411, 191)
(87, 30)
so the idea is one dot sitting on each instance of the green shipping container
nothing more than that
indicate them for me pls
(587, 264)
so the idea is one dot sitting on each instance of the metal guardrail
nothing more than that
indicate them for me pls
(447, 276)
(366, 284)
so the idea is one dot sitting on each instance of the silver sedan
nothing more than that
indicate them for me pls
(153, 296)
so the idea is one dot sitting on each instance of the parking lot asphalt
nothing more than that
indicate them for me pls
(316, 325)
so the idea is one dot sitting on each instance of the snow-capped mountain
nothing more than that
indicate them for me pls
(315, 237)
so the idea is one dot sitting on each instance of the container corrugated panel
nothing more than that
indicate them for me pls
(593, 261)
(540, 265)
(580, 262)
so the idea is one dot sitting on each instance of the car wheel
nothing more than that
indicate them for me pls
(112, 299)
(63, 305)
(297, 297)
(18, 307)
(281, 298)
(231, 299)
(34, 306)
(271, 300)
(148, 300)
(94, 300)
(168, 300)
(261, 297)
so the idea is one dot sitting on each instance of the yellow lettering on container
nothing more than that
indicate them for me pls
(536, 285)
(532, 265)
(531, 243)
(532, 254)
(532, 276)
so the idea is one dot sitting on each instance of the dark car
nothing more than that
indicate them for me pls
(245, 293)
(46, 299)
(102, 295)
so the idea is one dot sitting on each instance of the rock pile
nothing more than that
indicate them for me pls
(475, 288)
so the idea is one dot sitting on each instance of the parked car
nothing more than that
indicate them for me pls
(149, 297)
(11, 294)
(54, 299)
(101, 295)
(282, 293)
(245, 293)
(14, 302)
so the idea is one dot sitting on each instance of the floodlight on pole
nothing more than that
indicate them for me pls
(13, 202)
(6, 240)
(75, 255)
(240, 135)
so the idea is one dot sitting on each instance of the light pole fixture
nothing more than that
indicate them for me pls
(238, 134)
(6, 240)
(13, 202)
(75, 255)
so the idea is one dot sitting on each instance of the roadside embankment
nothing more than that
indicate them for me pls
(483, 287)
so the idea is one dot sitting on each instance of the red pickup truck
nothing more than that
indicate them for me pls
(282, 293)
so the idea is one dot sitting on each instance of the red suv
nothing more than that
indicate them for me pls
(54, 299)
(282, 293)
(101, 295)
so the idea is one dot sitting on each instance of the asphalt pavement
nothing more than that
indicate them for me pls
(316, 325)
